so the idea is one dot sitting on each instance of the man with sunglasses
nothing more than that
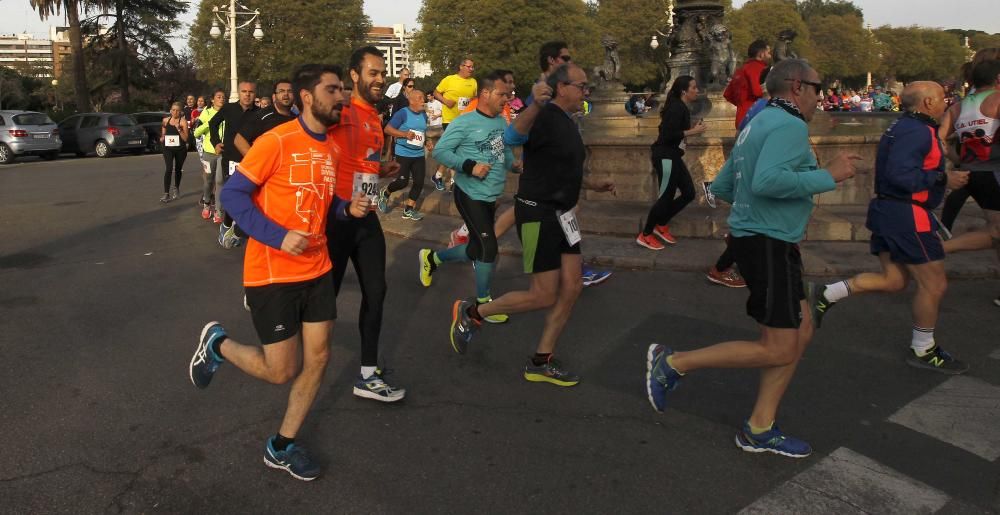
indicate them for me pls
(769, 179)
(547, 195)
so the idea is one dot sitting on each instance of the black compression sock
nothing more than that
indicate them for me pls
(281, 443)
(540, 359)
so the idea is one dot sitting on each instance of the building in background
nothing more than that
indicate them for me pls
(61, 50)
(394, 42)
(36, 57)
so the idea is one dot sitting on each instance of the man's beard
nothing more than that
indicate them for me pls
(327, 117)
(366, 93)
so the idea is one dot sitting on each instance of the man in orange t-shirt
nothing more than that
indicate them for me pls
(281, 194)
(359, 135)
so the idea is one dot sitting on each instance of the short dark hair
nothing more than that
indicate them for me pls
(488, 82)
(549, 49)
(283, 81)
(985, 73)
(757, 47)
(217, 91)
(504, 73)
(308, 76)
(559, 74)
(359, 55)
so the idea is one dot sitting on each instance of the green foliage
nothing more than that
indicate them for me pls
(21, 91)
(809, 9)
(843, 47)
(763, 19)
(983, 40)
(503, 35)
(916, 53)
(295, 32)
(632, 23)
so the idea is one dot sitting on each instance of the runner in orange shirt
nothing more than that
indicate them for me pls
(359, 135)
(281, 194)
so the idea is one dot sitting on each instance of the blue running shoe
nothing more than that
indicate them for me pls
(593, 277)
(660, 377)
(205, 361)
(293, 459)
(383, 201)
(772, 441)
(438, 182)
(462, 326)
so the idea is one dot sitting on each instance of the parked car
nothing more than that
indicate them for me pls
(25, 133)
(102, 133)
(152, 121)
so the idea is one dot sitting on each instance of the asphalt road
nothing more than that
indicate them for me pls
(103, 292)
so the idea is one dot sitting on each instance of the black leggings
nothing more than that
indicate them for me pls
(479, 217)
(414, 167)
(952, 205)
(726, 260)
(666, 207)
(173, 158)
(361, 240)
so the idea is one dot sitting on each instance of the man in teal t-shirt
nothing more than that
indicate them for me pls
(474, 147)
(770, 180)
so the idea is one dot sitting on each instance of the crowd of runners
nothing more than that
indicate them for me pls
(300, 182)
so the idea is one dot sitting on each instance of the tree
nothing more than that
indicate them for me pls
(764, 19)
(809, 9)
(983, 40)
(503, 34)
(916, 53)
(47, 8)
(632, 23)
(138, 38)
(843, 47)
(295, 33)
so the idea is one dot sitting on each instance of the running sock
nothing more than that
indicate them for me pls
(760, 430)
(216, 348)
(670, 364)
(473, 312)
(463, 230)
(437, 175)
(484, 277)
(281, 443)
(540, 358)
(457, 254)
(435, 260)
(838, 290)
(923, 340)
(367, 372)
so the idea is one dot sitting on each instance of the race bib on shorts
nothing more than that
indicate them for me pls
(171, 141)
(417, 140)
(463, 102)
(232, 167)
(366, 184)
(570, 226)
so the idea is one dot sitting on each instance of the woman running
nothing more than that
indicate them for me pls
(173, 138)
(675, 125)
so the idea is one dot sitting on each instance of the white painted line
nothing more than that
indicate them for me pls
(963, 411)
(846, 482)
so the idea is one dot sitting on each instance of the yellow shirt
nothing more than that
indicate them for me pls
(462, 91)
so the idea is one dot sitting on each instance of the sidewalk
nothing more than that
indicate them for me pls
(821, 258)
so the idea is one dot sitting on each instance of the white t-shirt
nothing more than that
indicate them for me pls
(433, 110)
(394, 90)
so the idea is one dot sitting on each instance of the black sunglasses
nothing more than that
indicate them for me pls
(818, 86)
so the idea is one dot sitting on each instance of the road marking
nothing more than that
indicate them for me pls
(847, 482)
(963, 411)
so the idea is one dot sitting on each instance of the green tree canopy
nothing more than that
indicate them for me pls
(632, 23)
(843, 47)
(503, 35)
(916, 53)
(764, 19)
(809, 9)
(295, 33)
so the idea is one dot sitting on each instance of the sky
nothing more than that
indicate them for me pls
(971, 14)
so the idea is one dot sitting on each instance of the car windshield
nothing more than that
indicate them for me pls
(32, 119)
(121, 120)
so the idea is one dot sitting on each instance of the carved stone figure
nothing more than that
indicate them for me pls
(783, 48)
(610, 71)
(722, 55)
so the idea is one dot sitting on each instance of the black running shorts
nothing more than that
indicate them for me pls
(278, 310)
(542, 239)
(773, 272)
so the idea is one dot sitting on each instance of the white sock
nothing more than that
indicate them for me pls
(923, 340)
(367, 372)
(836, 291)
(463, 230)
(437, 174)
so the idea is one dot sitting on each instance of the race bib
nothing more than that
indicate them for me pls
(232, 167)
(570, 226)
(417, 140)
(171, 141)
(366, 184)
(463, 102)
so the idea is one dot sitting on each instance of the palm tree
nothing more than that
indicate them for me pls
(47, 8)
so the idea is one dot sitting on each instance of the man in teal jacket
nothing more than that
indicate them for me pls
(770, 180)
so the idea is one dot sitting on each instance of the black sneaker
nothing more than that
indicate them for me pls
(294, 459)
(550, 372)
(817, 303)
(937, 360)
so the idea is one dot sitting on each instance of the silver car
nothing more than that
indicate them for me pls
(25, 133)
(102, 134)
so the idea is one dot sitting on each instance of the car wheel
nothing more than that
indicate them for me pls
(49, 156)
(6, 154)
(102, 148)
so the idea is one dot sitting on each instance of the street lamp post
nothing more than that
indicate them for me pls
(230, 23)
